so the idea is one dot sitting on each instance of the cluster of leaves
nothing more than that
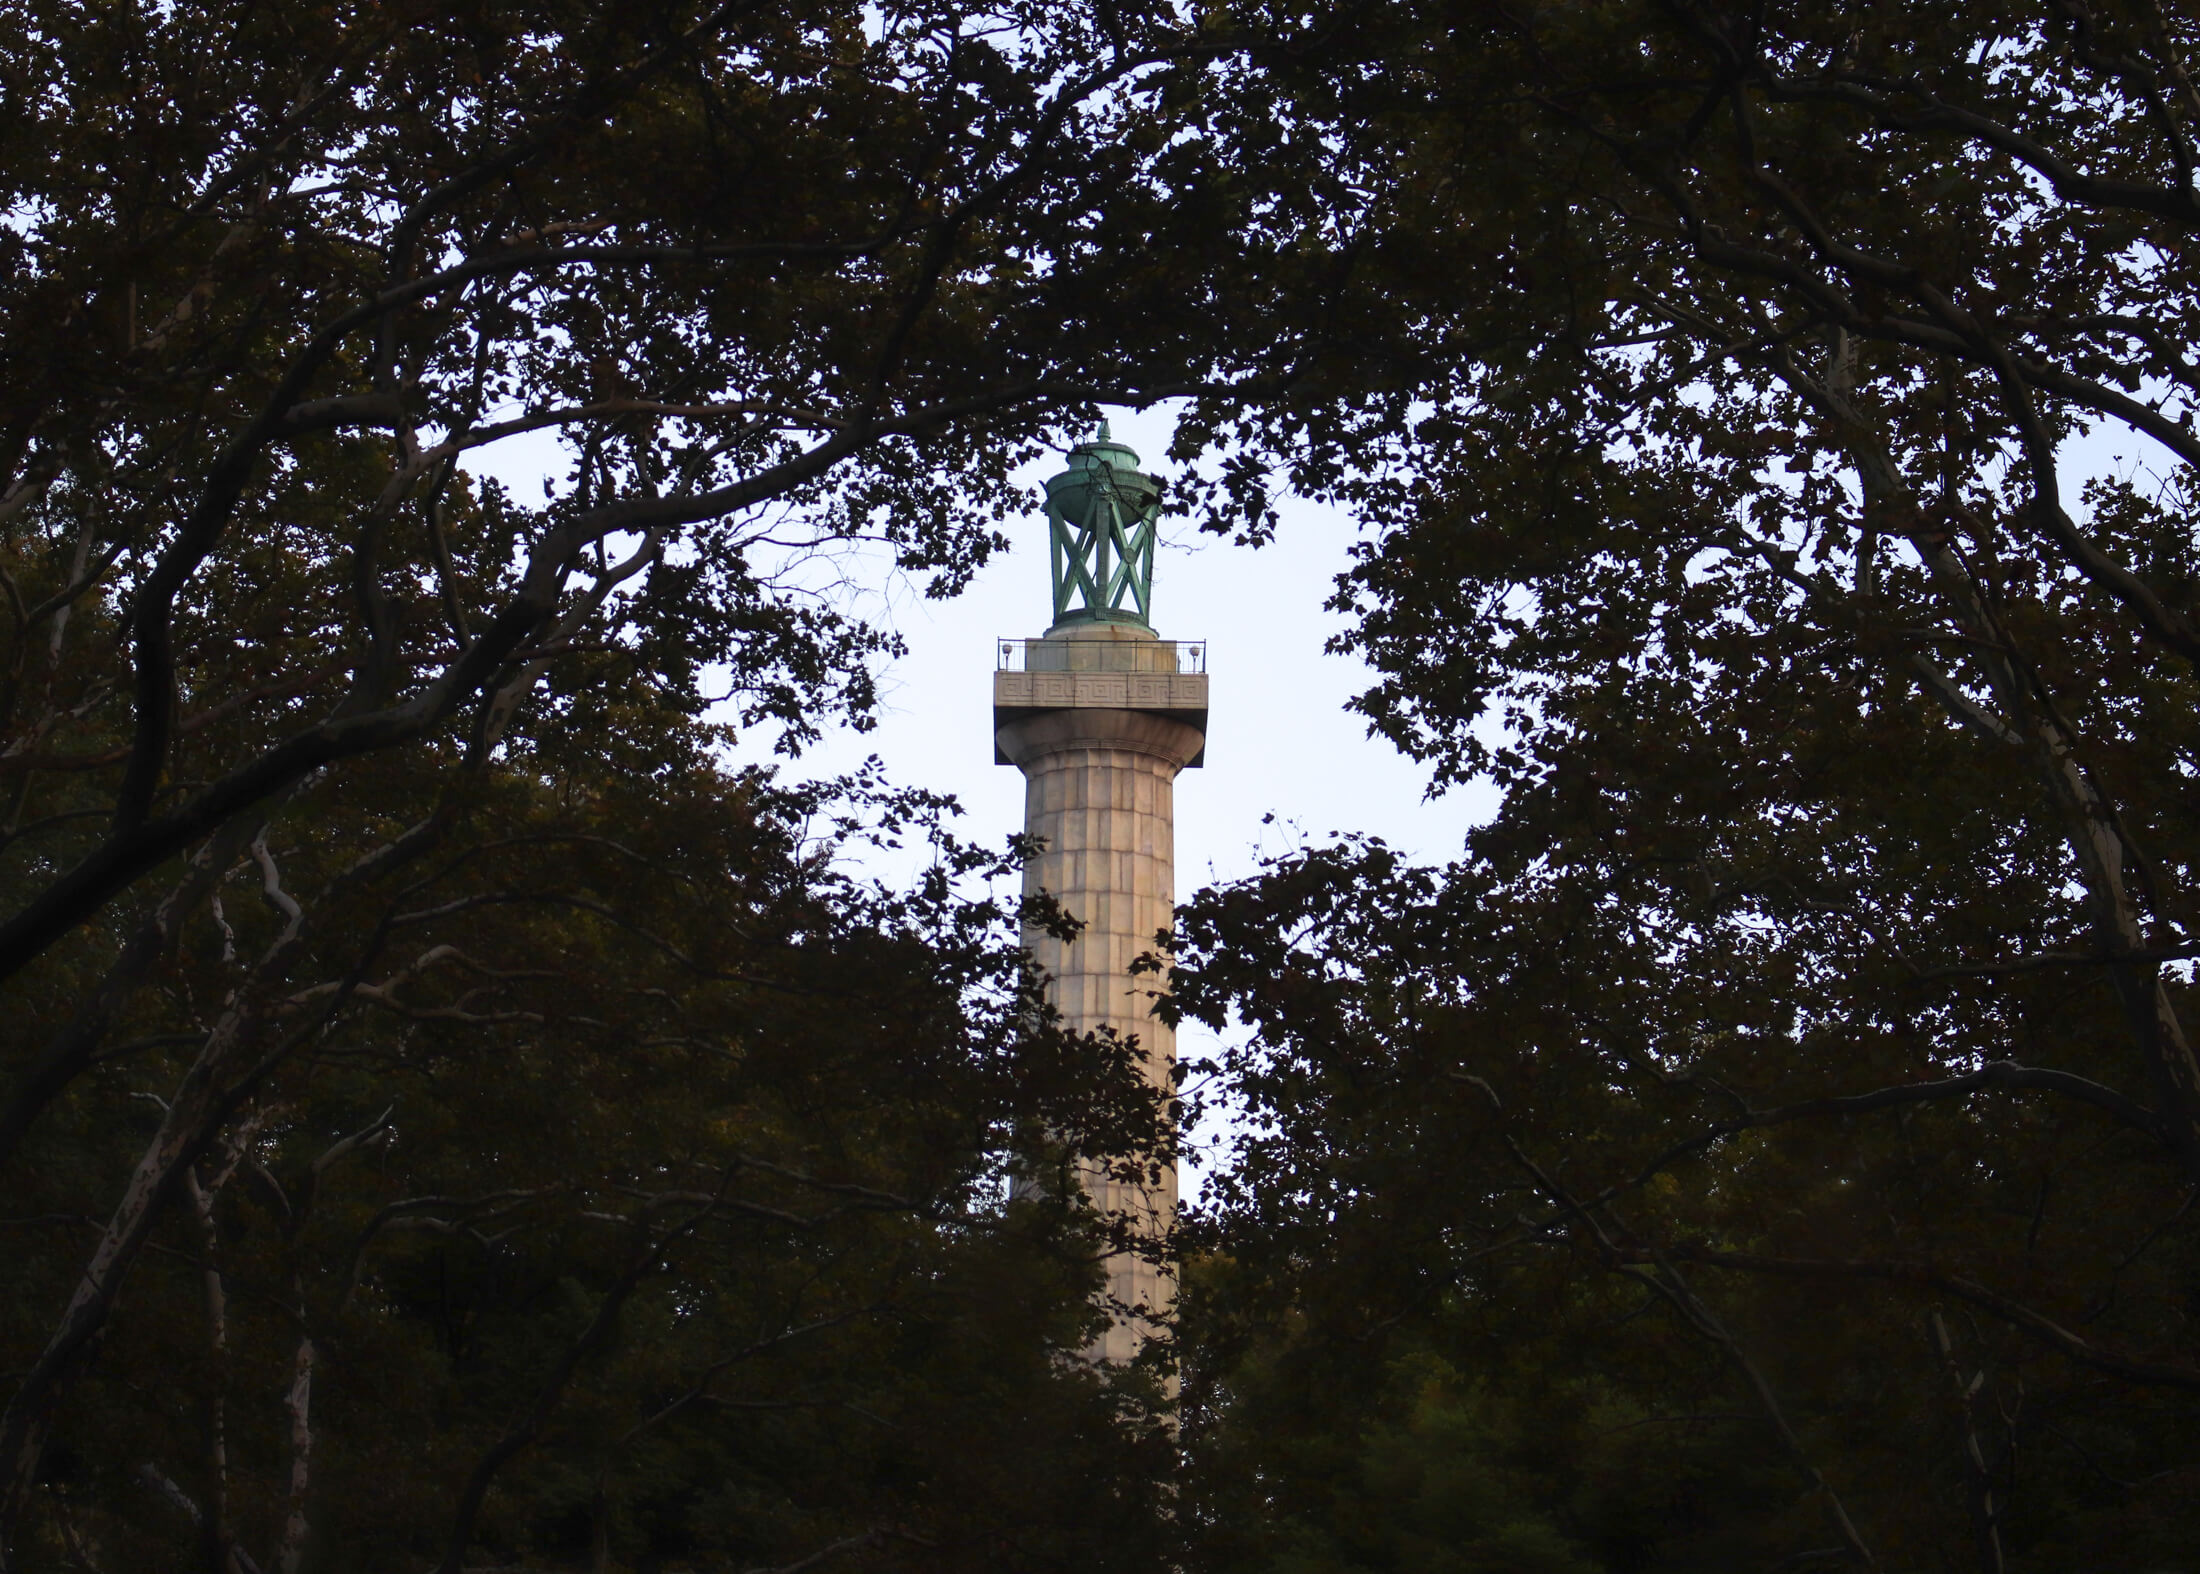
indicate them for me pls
(646, 1204)
(449, 1110)
(1784, 1118)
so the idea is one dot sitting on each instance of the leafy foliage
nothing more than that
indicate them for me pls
(1786, 1108)
(452, 1109)
(455, 1113)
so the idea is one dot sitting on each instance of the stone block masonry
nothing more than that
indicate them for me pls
(1100, 794)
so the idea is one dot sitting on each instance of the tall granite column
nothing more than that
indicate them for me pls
(1100, 715)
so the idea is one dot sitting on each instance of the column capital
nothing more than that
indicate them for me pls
(1024, 740)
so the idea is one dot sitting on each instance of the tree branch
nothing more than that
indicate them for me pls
(1926, 1276)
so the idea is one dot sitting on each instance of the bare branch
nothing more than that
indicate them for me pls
(1926, 1276)
(1666, 1282)
(528, 1425)
(823, 1554)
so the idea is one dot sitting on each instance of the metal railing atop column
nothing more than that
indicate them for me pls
(1102, 655)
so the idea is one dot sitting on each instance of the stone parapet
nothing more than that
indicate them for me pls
(1179, 697)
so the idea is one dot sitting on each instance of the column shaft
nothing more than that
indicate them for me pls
(1099, 788)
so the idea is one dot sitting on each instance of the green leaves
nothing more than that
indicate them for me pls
(478, 1117)
(1707, 379)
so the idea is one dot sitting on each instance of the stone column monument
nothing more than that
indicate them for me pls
(1100, 714)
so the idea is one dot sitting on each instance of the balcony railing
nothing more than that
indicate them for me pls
(1102, 655)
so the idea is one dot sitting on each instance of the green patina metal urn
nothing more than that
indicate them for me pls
(1101, 515)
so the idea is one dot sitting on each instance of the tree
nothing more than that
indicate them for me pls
(411, 1011)
(1821, 987)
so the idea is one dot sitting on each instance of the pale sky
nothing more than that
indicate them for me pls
(1279, 738)
(1286, 762)
(1280, 742)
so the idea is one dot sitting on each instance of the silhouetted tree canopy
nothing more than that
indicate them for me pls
(1772, 1143)
(461, 1112)
(455, 1110)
